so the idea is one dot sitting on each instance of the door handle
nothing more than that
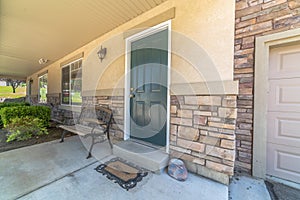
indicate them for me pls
(131, 95)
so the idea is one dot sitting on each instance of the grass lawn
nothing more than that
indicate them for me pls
(6, 92)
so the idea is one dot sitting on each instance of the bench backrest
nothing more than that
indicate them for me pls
(96, 112)
(104, 114)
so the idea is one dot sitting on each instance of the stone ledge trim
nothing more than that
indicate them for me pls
(104, 92)
(206, 172)
(201, 88)
(53, 95)
(70, 108)
(206, 88)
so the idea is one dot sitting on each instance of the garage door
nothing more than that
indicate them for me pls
(283, 138)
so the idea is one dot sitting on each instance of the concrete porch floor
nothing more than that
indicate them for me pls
(60, 171)
(56, 170)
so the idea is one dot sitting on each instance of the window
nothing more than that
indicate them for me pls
(71, 83)
(43, 84)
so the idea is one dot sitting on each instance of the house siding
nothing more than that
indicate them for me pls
(202, 119)
(254, 18)
(194, 22)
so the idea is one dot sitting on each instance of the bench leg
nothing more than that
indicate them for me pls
(63, 136)
(89, 155)
(91, 148)
(108, 138)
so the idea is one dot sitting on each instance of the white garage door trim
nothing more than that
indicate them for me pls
(261, 87)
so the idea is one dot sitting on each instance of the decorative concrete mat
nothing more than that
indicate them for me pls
(126, 174)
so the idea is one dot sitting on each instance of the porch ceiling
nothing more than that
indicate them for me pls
(34, 29)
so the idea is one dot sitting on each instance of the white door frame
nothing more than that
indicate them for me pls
(129, 40)
(261, 91)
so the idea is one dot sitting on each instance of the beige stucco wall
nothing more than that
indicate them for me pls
(202, 41)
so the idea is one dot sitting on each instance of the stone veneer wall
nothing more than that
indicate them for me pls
(202, 130)
(57, 114)
(116, 104)
(255, 18)
(54, 99)
(33, 99)
(202, 133)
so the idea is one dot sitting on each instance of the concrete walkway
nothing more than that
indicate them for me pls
(248, 188)
(26, 169)
(60, 171)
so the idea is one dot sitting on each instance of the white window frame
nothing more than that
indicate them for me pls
(39, 88)
(70, 70)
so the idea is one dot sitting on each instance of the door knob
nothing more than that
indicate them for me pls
(131, 96)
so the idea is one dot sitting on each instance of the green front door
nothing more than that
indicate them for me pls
(148, 88)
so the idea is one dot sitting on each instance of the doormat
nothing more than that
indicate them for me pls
(122, 172)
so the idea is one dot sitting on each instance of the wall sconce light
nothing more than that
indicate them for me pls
(101, 53)
(30, 81)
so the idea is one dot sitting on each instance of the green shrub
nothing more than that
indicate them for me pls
(24, 128)
(12, 104)
(41, 112)
(4, 105)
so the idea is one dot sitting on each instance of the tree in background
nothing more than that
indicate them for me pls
(14, 83)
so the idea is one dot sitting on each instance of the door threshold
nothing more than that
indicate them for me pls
(148, 144)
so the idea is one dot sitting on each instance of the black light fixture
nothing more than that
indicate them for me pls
(101, 53)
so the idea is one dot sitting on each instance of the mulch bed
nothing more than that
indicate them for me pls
(54, 134)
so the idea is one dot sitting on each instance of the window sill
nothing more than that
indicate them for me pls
(70, 108)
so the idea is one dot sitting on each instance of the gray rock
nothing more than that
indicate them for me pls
(177, 169)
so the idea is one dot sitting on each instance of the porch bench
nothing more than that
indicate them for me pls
(94, 122)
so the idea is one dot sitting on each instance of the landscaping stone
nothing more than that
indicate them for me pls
(177, 169)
